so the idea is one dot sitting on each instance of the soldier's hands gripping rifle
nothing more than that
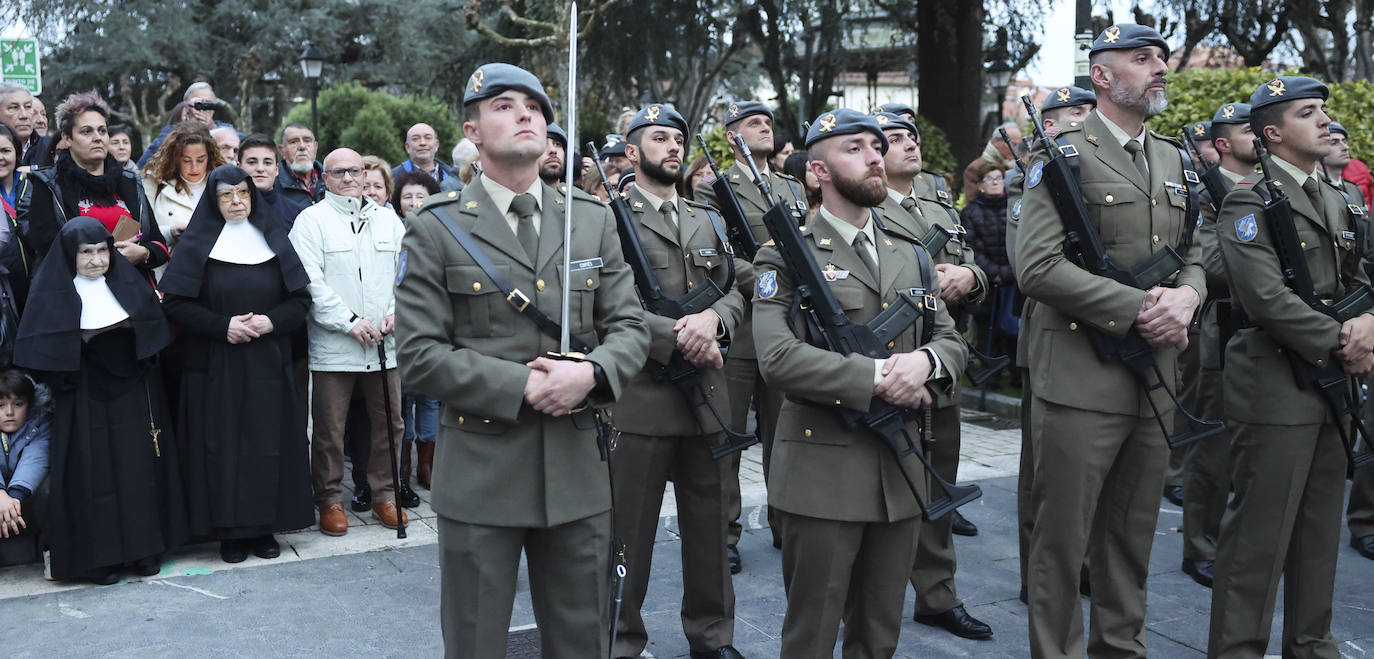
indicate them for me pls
(1212, 179)
(1331, 381)
(1083, 246)
(678, 371)
(838, 333)
(737, 227)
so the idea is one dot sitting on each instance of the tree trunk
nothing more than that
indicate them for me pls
(950, 51)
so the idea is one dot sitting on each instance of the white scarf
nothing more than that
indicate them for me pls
(99, 308)
(241, 242)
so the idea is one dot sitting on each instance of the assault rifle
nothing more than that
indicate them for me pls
(741, 235)
(1331, 381)
(837, 333)
(1084, 247)
(1211, 178)
(678, 371)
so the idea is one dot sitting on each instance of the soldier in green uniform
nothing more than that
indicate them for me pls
(1359, 514)
(1288, 462)
(1066, 106)
(1098, 447)
(517, 465)
(849, 522)
(659, 434)
(1207, 471)
(961, 280)
(754, 122)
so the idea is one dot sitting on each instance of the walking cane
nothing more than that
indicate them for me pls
(391, 439)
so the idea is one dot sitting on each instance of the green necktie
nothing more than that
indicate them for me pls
(524, 208)
(861, 244)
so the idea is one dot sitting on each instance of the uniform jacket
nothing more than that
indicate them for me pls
(754, 206)
(462, 343)
(1209, 333)
(351, 277)
(650, 407)
(820, 468)
(1135, 219)
(1259, 387)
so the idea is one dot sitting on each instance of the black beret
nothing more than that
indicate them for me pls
(492, 79)
(1232, 113)
(616, 148)
(1127, 36)
(1287, 88)
(844, 122)
(657, 114)
(890, 121)
(556, 133)
(1068, 97)
(741, 109)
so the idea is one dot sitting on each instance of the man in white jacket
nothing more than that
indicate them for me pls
(348, 246)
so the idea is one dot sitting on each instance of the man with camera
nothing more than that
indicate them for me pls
(198, 103)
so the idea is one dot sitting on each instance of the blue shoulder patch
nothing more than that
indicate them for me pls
(1246, 228)
(768, 284)
(401, 266)
(1016, 209)
(1036, 173)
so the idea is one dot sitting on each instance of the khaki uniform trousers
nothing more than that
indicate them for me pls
(1207, 477)
(746, 386)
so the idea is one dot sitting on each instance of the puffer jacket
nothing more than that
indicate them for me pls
(352, 276)
(24, 454)
(985, 220)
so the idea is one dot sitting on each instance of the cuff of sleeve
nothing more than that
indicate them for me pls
(937, 368)
(18, 492)
(878, 371)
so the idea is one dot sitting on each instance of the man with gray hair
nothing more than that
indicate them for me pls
(227, 139)
(17, 112)
(199, 103)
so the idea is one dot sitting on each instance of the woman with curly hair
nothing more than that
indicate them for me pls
(175, 177)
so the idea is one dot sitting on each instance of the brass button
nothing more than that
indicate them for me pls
(539, 284)
(1073, 124)
(460, 420)
(837, 402)
(476, 286)
(486, 420)
(1111, 323)
(1073, 326)
(1109, 199)
(884, 305)
(1155, 238)
(891, 345)
(708, 264)
(1303, 244)
(589, 282)
(807, 432)
(452, 195)
(690, 285)
(1154, 202)
(1321, 362)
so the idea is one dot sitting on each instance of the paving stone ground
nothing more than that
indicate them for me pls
(367, 594)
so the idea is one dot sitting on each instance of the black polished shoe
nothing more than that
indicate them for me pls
(362, 499)
(732, 555)
(1200, 571)
(1364, 545)
(727, 652)
(265, 546)
(406, 496)
(233, 551)
(961, 526)
(108, 576)
(957, 621)
(147, 567)
(1174, 494)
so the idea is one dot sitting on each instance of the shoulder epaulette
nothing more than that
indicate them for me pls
(697, 204)
(1071, 127)
(1168, 138)
(440, 199)
(581, 195)
(786, 176)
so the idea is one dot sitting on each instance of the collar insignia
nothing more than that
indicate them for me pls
(471, 204)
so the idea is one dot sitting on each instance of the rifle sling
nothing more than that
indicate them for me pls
(517, 299)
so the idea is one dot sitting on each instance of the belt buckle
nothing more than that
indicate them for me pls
(929, 301)
(518, 300)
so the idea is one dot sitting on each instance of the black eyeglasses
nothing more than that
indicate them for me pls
(340, 172)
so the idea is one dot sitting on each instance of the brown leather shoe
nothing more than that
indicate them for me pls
(425, 468)
(385, 512)
(333, 520)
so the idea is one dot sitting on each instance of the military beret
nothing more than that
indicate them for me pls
(1232, 113)
(890, 121)
(844, 122)
(616, 148)
(492, 79)
(556, 133)
(741, 109)
(896, 108)
(657, 115)
(1287, 88)
(1128, 36)
(1337, 128)
(1068, 97)
(1201, 130)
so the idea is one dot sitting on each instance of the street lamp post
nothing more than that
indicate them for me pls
(312, 64)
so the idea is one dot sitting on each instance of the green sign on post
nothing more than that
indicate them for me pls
(19, 63)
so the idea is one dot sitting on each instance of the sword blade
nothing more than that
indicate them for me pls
(571, 128)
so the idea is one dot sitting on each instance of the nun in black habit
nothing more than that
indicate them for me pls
(115, 495)
(237, 291)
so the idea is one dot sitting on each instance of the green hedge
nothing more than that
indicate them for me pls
(1195, 95)
(375, 123)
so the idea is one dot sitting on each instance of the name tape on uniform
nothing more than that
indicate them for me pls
(586, 264)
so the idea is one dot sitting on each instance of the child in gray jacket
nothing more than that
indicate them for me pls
(24, 434)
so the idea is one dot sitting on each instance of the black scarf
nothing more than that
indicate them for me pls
(187, 267)
(50, 332)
